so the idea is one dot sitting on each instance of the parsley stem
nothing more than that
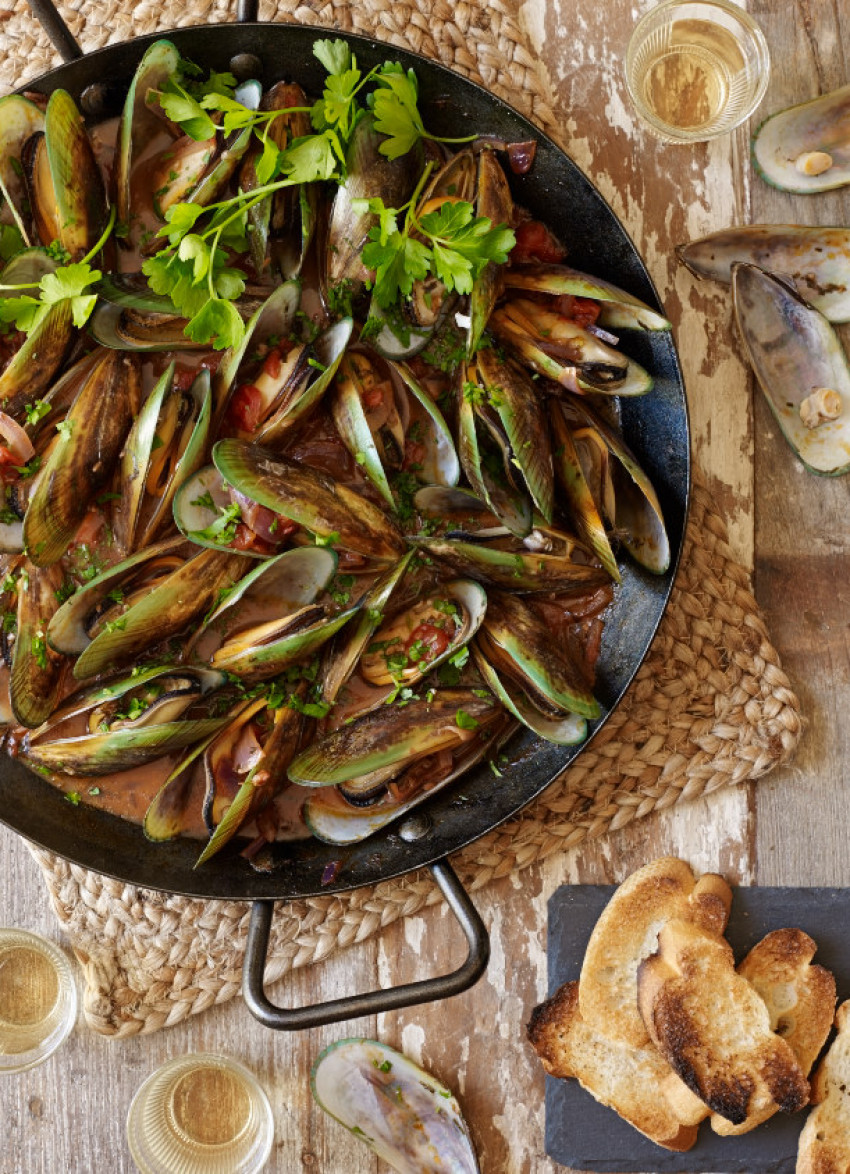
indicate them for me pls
(104, 236)
(15, 213)
(443, 139)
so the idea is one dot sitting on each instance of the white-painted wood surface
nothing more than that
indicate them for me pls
(68, 1115)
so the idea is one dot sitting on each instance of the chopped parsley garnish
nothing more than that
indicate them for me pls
(464, 721)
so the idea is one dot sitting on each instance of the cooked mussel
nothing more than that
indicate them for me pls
(80, 465)
(127, 721)
(20, 119)
(35, 680)
(616, 308)
(64, 182)
(400, 1111)
(559, 348)
(310, 498)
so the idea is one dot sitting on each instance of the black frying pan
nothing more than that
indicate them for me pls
(655, 426)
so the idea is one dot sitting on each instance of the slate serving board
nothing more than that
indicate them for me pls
(585, 1135)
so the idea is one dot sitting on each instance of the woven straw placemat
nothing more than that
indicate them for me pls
(709, 708)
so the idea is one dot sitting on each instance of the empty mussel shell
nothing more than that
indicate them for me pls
(794, 353)
(784, 144)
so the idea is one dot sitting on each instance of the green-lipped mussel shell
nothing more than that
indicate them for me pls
(274, 318)
(106, 753)
(618, 309)
(568, 730)
(36, 362)
(139, 124)
(794, 351)
(493, 200)
(66, 187)
(310, 498)
(20, 119)
(391, 736)
(583, 508)
(68, 630)
(164, 449)
(815, 258)
(517, 569)
(369, 174)
(122, 329)
(638, 520)
(266, 650)
(327, 350)
(80, 466)
(512, 506)
(165, 612)
(817, 125)
(404, 1114)
(527, 651)
(36, 674)
(512, 394)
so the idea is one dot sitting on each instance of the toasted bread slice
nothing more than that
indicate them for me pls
(800, 999)
(714, 1029)
(824, 1146)
(627, 932)
(635, 1082)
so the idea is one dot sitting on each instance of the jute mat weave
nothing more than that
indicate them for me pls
(709, 708)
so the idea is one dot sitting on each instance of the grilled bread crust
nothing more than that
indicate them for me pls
(627, 933)
(636, 1082)
(714, 1029)
(800, 1000)
(824, 1146)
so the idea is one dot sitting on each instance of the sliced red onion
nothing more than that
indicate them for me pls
(17, 441)
(603, 335)
(521, 156)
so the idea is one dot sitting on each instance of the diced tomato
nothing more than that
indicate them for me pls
(534, 242)
(246, 539)
(373, 397)
(7, 462)
(184, 377)
(245, 408)
(435, 640)
(273, 363)
(582, 311)
(414, 453)
(211, 362)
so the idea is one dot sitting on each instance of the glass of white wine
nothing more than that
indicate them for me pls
(696, 69)
(200, 1114)
(38, 999)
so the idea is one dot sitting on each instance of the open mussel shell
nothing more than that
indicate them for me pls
(35, 364)
(140, 123)
(406, 1116)
(388, 739)
(123, 329)
(342, 656)
(493, 200)
(519, 646)
(618, 309)
(546, 565)
(36, 674)
(164, 448)
(511, 395)
(491, 479)
(783, 141)
(64, 181)
(184, 594)
(80, 465)
(560, 349)
(629, 499)
(794, 352)
(814, 258)
(130, 720)
(566, 730)
(310, 498)
(70, 629)
(389, 423)
(369, 174)
(19, 120)
(278, 585)
(263, 651)
(584, 508)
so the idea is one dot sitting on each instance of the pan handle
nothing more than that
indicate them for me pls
(353, 1006)
(48, 16)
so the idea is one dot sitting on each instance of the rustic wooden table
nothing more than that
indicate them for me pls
(792, 829)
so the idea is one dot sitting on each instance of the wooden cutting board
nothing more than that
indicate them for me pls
(585, 1135)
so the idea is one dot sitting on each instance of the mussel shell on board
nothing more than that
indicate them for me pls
(819, 125)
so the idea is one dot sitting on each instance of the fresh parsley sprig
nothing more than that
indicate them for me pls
(68, 283)
(451, 243)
